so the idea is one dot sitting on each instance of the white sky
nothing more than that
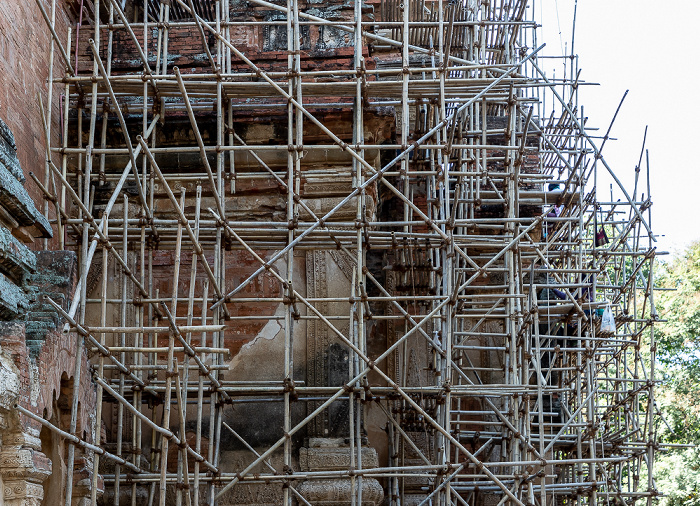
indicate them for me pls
(649, 47)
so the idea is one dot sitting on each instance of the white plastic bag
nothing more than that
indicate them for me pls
(607, 323)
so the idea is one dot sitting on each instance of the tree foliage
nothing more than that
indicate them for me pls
(678, 359)
(678, 338)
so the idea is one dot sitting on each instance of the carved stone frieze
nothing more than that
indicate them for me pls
(326, 454)
(250, 494)
(339, 492)
(316, 459)
(24, 463)
(23, 468)
(22, 490)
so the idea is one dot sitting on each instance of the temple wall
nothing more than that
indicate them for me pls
(24, 43)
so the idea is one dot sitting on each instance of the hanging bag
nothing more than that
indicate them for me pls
(607, 323)
(601, 238)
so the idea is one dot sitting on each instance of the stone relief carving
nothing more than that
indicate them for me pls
(317, 332)
(252, 494)
(9, 382)
(345, 263)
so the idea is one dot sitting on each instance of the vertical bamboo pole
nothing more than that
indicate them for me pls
(171, 371)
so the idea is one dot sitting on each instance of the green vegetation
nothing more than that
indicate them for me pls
(678, 353)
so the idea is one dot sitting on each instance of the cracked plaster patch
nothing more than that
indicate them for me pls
(269, 332)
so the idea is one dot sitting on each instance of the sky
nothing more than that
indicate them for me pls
(649, 48)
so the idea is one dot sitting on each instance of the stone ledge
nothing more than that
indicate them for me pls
(15, 198)
(8, 158)
(7, 135)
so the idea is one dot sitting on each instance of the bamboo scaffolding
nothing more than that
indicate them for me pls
(491, 264)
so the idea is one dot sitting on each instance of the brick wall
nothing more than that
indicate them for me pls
(24, 72)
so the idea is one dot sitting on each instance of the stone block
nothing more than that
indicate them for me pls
(16, 260)
(13, 300)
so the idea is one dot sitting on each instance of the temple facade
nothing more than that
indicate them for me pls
(303, 252)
